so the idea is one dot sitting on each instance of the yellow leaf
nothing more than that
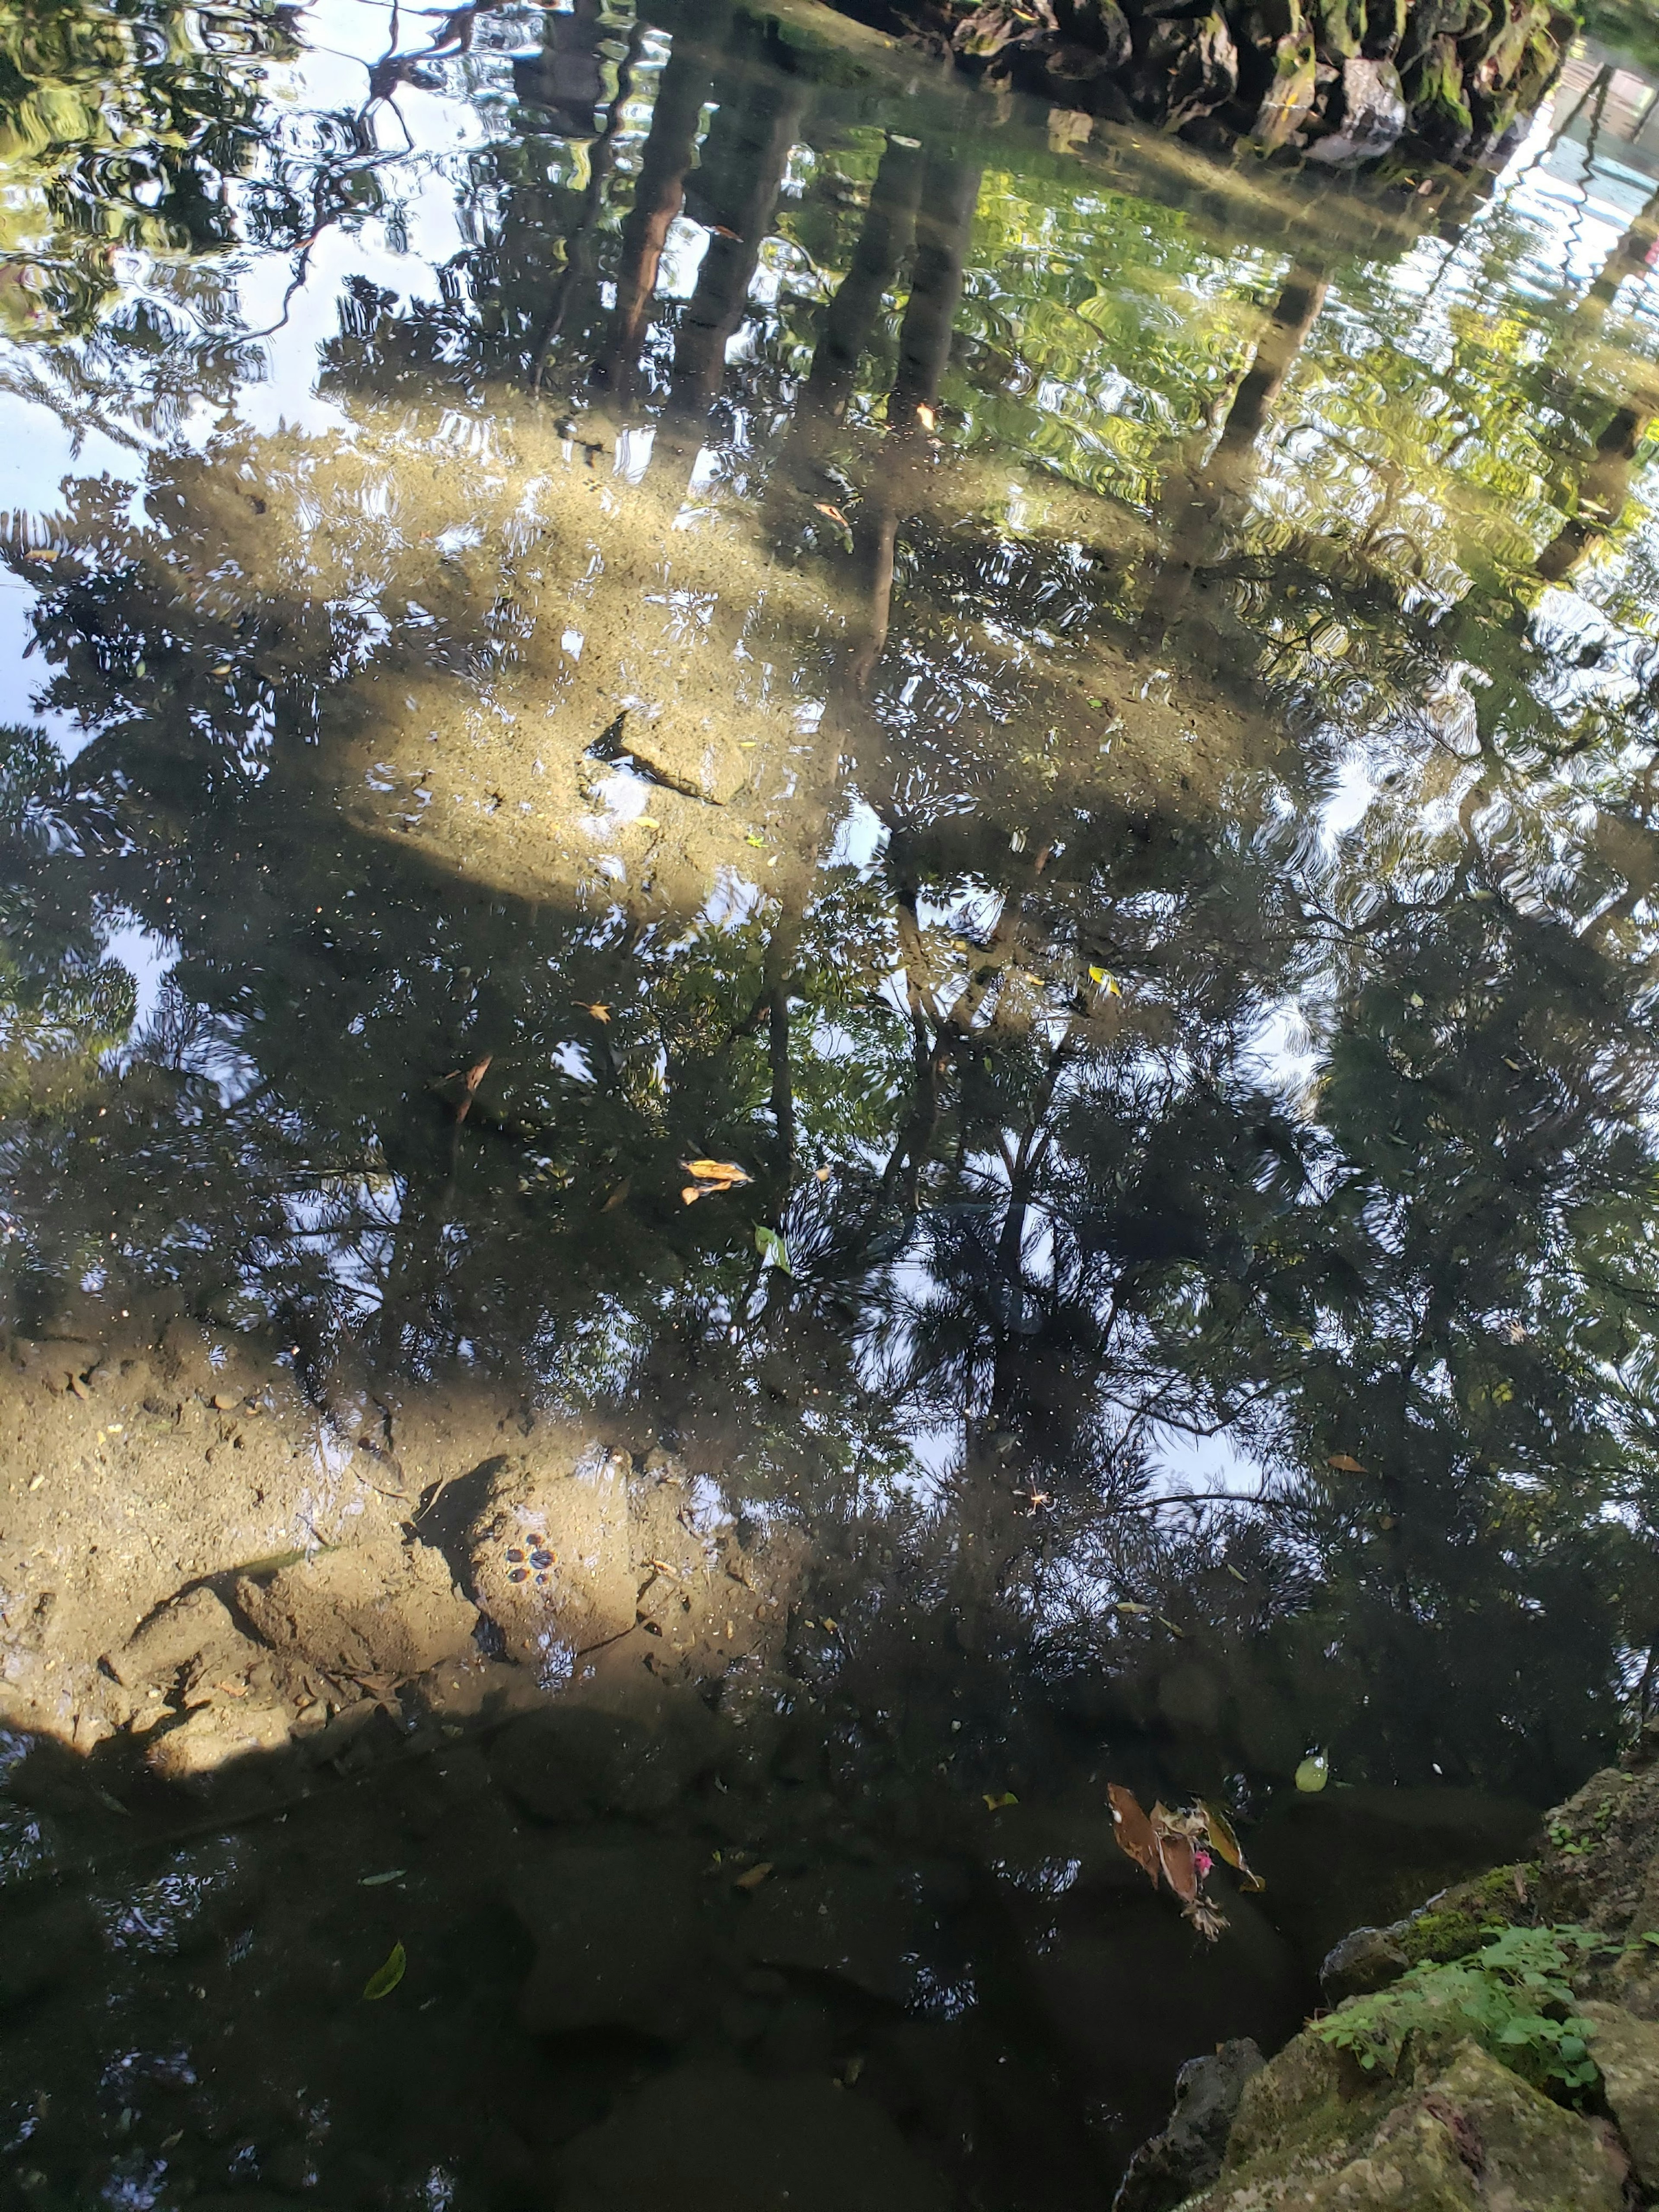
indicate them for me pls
(646, 822)
(756, 1875)
(994, 1804)
(926, 417)
(599, 1013)
(726, 1173)
(1227, 1846)
(386, 1979)
(1345, 1463)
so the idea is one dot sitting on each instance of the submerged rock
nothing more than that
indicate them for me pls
(384, 1609)
(623, 1941)
(713, 2138)
(1188, 2155)
(1366, 1958)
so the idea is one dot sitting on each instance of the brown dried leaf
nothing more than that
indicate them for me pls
(615, 1197)
(1204, 1918)
(824, 506)
(1175, 1854)
(1133, 1830)
(470, 1082)
(1345, 1463)
(755, 1877)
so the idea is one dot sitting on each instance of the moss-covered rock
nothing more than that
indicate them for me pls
(1442, 115)
(1627, 2053)
(1342, 81)
(1456, 1921)
(1464, 2133)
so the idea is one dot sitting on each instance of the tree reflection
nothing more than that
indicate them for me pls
(1104, 1114)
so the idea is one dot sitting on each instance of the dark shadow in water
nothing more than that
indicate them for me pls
(1128, 1405)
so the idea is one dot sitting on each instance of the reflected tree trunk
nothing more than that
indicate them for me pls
(1195, 505)
(745, 158)
(1602, 490)
(581, 248)
(567, 77)
(1632, 257)
(944, 223)
(1605, 486)
(671, 146)
(885, 245)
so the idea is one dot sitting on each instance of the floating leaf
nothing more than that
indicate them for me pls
(1314, 1772)
(755, 1876)
(724, 1174)
(646, 822)
(1175, 1854)
(615, 1197)
(1133, 1830)
(835, 513)
(994, 1803)
(720, 230)
(824, 1173)
(470, 1082)
(599, 1013)
(382, 1982)
(925, 416)
(375, 1881)
(772, 1249)
(1345, 1463)
(1227, 1846)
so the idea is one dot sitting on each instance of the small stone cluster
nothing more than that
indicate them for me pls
(1341, 81)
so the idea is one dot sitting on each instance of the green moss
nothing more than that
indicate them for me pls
(1462, 1918)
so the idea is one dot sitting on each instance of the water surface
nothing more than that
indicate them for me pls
(827, 1006)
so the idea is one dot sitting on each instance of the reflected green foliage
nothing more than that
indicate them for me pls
(63, 1007)
(120, 125)
(1127, 1125)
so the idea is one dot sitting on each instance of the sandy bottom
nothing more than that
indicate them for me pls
(196, 1555)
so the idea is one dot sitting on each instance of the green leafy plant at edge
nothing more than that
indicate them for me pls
(1512, 1997)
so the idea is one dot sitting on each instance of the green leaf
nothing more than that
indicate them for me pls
(772, 1249)
(1314, 1772)
(382, 1982)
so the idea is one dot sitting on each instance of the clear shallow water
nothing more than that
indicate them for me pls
(1083, 717)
